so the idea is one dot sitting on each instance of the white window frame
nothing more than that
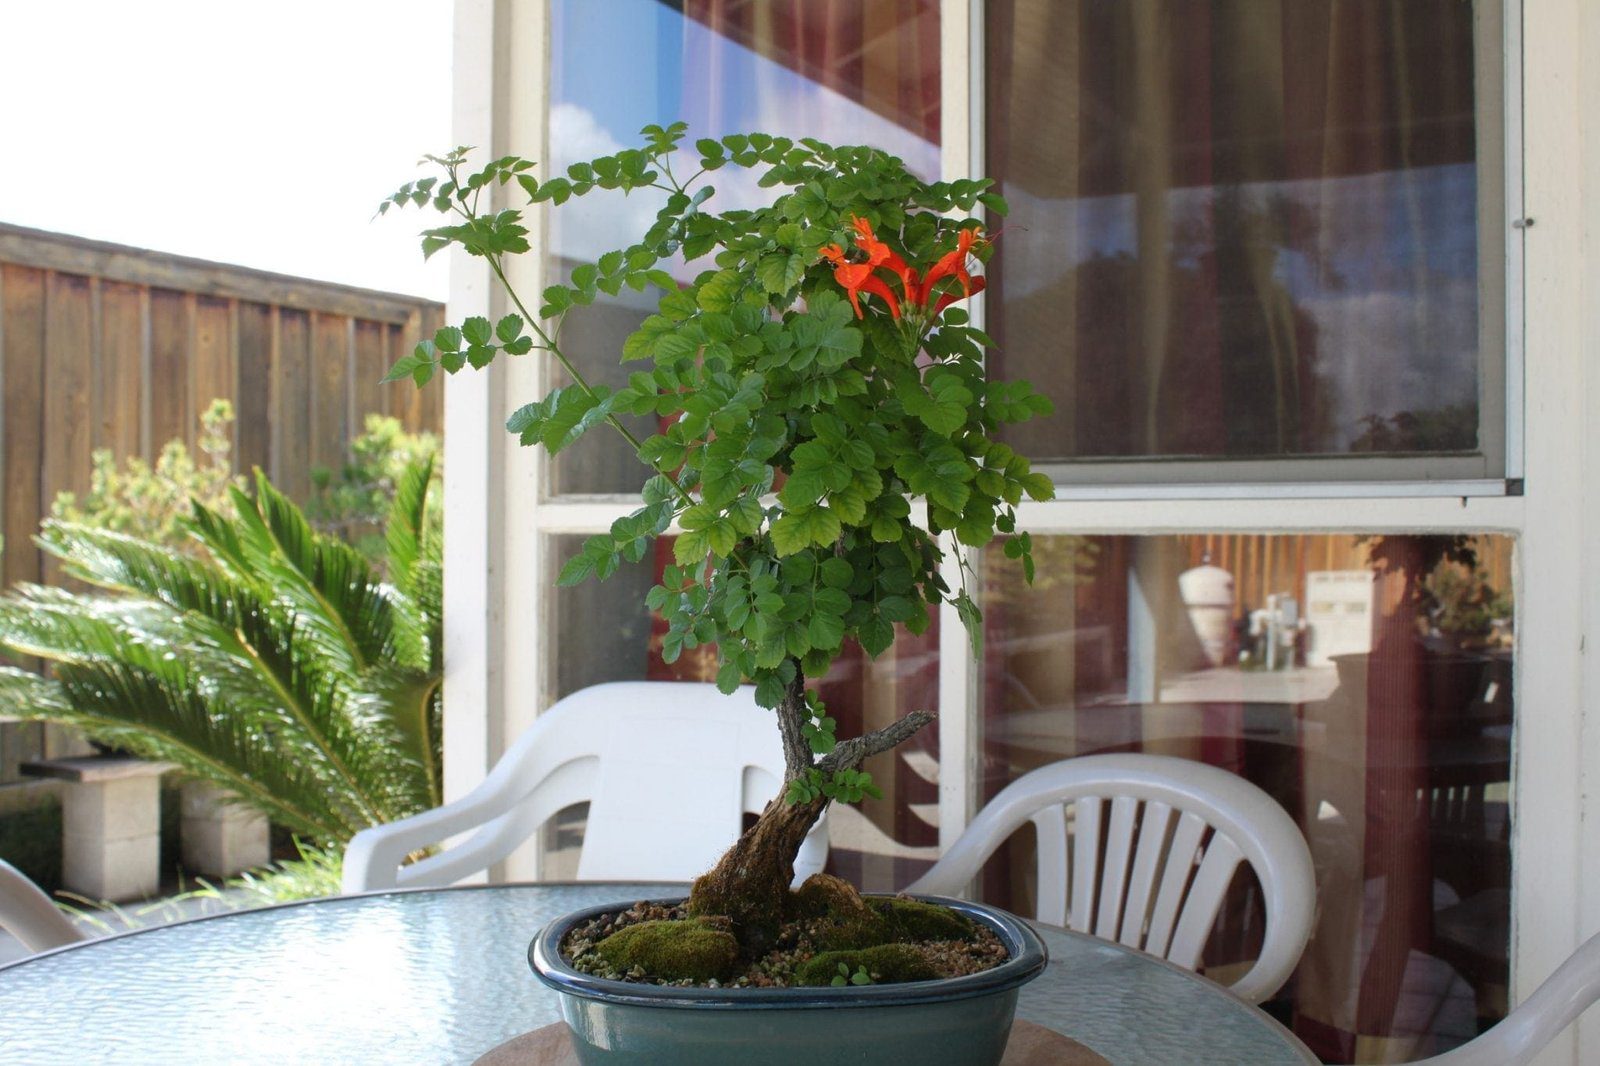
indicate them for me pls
(499, 601)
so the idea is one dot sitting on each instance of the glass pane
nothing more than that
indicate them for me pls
(845, 71)
(1365, 683)
(604, 632)
(1243, 229)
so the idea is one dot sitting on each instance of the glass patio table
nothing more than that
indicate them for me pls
(441, 976)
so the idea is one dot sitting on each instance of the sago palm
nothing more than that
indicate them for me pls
(277, 664)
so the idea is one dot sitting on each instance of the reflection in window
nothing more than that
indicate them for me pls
(844, 71)
(1364, 682)
(605, 633)
(1247, 228)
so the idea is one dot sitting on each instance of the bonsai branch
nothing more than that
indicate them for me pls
(851, 753)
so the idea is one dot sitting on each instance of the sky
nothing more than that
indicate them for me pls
(262, 135)
(662, 67)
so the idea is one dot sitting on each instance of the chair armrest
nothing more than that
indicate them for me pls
(373, 857)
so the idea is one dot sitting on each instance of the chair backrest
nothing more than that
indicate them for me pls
(668, 770)
(1523, 1033)
(27, 913)
(1140, 849)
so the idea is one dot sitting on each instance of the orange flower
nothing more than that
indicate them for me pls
(953, 264)
(975, 287)
(881, 255)
(857, 278)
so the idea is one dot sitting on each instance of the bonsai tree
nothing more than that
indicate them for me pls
(832, 430)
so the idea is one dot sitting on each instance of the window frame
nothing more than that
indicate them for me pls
(1496, 469)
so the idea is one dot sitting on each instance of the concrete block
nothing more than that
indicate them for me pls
(220, 837)
(116, 870)
(115, 809)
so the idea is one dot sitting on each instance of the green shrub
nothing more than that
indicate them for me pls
(153, 503)
(354, 503)
(30, 840)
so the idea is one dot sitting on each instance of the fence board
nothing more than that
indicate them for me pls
(22, 307)
(366, 383)
(119, 373)
(292, 468)
(330, 375)
(169, 371)
(400, 399)
(253, 432)
(430, 411)
(213, 374)
(68, 370)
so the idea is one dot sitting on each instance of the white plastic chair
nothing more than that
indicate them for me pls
(1164, 838)
(27, 913)
(1523, 1033)
(668, 770)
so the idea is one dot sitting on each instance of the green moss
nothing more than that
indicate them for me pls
(673, 950)
(909, 919)
(887, 963)
(840, 920)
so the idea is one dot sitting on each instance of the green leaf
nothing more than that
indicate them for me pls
(690, 548)
(875, 635)
(995, 203)
(805, 528)
(477, 330)
(1039, 486)
(561, 417)
(825, 630)
(779, 272)
(578, 568)
(508, 328)
(408, 366)
(836, 572)
(943, 408)
(720, 293)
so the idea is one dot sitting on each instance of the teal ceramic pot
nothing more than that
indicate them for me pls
(960, 1021)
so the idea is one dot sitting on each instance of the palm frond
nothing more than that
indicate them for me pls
(329, 582)
(407, 702)
(217, 534)
(415, 628)
(407, 517)
(136, 711)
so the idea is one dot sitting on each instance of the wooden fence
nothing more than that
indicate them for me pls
(103, 346)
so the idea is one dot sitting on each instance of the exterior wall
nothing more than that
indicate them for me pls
(495, 683)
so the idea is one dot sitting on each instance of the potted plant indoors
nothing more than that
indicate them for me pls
(829, 442)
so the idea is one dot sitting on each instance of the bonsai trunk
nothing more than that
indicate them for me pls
(750, 883)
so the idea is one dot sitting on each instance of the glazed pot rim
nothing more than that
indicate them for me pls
(1027, 961)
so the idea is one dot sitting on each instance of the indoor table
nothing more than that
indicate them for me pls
(441, 976)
